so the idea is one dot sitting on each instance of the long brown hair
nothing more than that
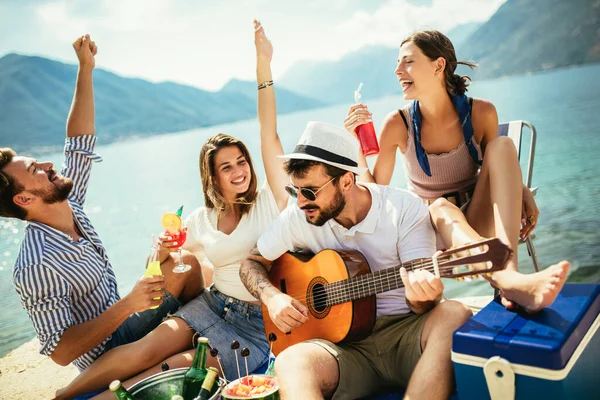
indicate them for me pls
(435, 44)
(213, 196)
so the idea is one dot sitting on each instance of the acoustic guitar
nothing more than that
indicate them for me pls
(339, 289)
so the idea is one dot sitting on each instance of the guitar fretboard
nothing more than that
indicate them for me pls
(370, 284)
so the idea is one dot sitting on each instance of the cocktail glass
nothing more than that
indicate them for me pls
(173, 227)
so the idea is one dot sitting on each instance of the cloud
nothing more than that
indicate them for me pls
(206, 43)
(397, 18)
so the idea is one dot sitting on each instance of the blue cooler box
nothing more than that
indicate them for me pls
(554, 354)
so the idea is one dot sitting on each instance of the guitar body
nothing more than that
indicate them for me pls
(342, 307)
(302, 277)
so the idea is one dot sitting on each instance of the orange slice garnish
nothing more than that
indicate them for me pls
(171, 222)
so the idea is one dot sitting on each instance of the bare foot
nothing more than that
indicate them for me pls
(510, 305)
(535, 291)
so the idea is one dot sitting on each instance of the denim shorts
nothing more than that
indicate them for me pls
(223, 319)
(140, 324)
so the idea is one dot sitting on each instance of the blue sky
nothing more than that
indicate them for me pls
(206, 43)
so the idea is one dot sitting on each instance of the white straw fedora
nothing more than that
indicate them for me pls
(328, 144)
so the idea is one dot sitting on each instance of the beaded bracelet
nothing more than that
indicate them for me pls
(265, 84)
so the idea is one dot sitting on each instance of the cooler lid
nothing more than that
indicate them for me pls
(546, 339)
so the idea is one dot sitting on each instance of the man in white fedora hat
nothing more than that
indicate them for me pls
(411, 341)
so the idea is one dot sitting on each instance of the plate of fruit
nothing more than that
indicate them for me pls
(264, 387)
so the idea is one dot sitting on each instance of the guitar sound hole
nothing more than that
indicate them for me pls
(319, 298)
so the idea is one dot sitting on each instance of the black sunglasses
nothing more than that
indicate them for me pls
(309, 194)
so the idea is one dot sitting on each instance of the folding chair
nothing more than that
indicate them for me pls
(514, 130)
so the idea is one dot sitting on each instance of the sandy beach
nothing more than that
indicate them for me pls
(27, 375)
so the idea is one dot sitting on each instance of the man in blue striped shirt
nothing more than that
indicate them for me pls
(62, 273)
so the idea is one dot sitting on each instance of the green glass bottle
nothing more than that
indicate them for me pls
(207, 385)
(119, 391)
(193, 378)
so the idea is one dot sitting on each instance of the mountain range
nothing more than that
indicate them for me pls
(522, 36)
(36, 93)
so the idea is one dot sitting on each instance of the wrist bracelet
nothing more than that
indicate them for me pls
(265, 84)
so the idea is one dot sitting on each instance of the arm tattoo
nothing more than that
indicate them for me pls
(253, 273)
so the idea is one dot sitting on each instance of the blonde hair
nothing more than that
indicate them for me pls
(213, 196)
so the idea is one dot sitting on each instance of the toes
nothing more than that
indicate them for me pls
(507, 303)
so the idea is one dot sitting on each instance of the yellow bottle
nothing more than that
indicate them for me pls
(153, 269)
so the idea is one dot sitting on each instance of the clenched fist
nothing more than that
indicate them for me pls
(86, 49)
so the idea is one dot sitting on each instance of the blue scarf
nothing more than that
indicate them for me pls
(463, 109)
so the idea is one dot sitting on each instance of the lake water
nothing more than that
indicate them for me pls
(141, 179)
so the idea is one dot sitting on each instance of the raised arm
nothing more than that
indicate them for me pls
(80, 144)
(81, 117)
(270, 144)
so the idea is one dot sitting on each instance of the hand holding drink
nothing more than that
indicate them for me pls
(146, 294)
(153, 267)
(360, 123)
(174, 237)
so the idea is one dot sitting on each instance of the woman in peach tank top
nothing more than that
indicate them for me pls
(453, 157)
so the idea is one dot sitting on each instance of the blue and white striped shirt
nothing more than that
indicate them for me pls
(63, 282)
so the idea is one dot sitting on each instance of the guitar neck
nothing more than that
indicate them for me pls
(371, 284)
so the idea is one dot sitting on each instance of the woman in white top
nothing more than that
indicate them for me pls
(234, 216)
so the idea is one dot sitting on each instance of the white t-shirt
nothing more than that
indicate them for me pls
(396, 229)
(225, 252)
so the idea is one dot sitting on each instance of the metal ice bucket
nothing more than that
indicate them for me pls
(164, 385)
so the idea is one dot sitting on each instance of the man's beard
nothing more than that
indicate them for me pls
(58, 193)
(333, 210)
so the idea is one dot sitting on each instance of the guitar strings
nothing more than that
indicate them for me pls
(342, 287)
(370, 281)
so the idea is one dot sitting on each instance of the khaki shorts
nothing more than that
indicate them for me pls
(383, 361)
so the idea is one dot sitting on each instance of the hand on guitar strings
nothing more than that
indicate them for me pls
(421, 286)
(286, 312)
